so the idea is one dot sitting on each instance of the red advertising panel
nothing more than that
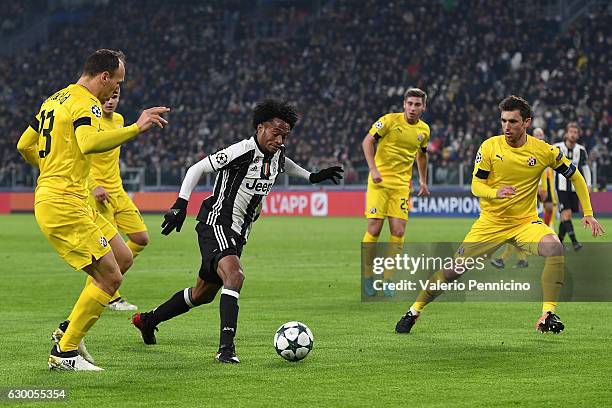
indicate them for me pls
(311, 203)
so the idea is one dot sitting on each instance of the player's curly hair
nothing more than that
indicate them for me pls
(269, 109)
(513, 102)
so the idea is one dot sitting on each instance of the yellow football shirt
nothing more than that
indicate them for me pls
(398, 143)
(499, 165)
(63, 167)
(105, 166)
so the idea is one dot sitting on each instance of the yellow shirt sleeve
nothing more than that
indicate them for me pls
(381, 127)
(27, 146)
(425, 141)
(89, 139)
(482, 168)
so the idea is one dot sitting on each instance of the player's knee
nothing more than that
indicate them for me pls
(234, 279)
(111, 280)
(125, 261)
(551, 246)
(141, 239)
(398, 230)
(374, 230)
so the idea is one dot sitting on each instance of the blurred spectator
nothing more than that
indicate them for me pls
(343, 64)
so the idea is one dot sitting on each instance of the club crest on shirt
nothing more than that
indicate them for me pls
(95, 109)
(221, 158)
(531, 161)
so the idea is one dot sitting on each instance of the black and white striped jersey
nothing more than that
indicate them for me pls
(578, 156)
(245, 176)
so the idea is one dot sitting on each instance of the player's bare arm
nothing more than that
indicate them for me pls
(422, 167)
(369, 150)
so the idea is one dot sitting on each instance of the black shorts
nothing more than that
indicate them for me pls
(216, 242)
(568, 200)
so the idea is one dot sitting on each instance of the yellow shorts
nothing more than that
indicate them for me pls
(486, 236)
(384, 202)
(75, 230)
(121, 211)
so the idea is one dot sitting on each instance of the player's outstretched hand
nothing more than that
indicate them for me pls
(423, 190)
(330, 173)
(506, 192)
(150, 117)
(596, 228)
(175, 217)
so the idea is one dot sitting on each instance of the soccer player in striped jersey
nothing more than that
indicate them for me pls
(506, 176)
(566, 191)
(246, 172)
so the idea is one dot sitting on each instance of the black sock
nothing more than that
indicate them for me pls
(561, 231)
(228, 311)
(173, 307)
(569, 227)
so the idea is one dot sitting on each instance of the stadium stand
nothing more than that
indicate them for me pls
(343, 63)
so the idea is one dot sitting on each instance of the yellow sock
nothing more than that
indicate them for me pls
(521, 254)
(368, 246)
(427, 296)
(89, 280)
(396, 245)
(134, 247)
(86, 312)
(507, 252)
(369, 238)
(552, 282)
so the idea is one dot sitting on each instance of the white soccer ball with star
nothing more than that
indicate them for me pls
(293, 341)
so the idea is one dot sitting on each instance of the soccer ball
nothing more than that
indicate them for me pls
(293, 341)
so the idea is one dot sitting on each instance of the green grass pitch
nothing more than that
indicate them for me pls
(307, 269)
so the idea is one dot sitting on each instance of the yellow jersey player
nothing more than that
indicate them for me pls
(548, 197)
(390, 148)
(506, 175)
(109, 197)
(58, 141)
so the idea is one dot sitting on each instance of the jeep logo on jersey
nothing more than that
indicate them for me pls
(531, 161)
(221, 158)
(95, 109)
(259, 186)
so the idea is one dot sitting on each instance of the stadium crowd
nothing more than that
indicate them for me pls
(343, 63)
